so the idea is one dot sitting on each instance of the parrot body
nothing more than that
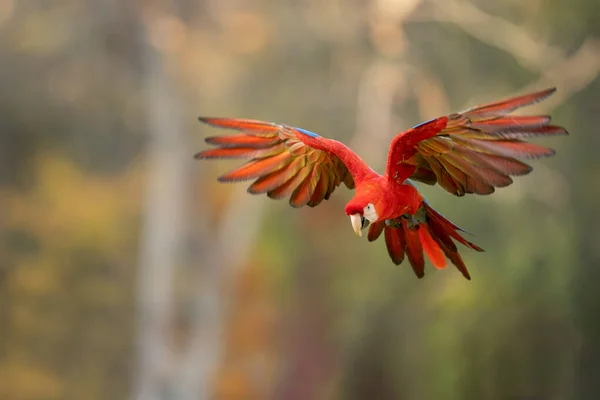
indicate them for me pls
(474, 151)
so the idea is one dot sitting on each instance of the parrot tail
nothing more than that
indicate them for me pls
(426, 232)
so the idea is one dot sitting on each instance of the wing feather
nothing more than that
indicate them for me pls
(304, 192)
(273, 180)
(288, 187)
(320, 190)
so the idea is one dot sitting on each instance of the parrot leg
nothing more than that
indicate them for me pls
(412, 220)
(393, 223)
(420, 217)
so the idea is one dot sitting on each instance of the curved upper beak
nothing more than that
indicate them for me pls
(358, 223)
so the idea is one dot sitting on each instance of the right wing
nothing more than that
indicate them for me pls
(474, 151)
(285, 161)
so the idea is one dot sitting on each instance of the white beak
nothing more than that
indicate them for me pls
(356, 220)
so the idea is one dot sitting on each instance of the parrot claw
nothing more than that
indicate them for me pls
(412, 220)
(393, 223)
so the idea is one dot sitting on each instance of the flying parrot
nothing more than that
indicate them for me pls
(474, 151)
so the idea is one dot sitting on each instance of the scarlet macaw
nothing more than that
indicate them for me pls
(474, 151)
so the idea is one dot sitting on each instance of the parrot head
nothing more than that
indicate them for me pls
(362, 212)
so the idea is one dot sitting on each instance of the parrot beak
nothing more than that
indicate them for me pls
(358, 223)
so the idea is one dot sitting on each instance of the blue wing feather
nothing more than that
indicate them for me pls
(423, 123)
(308, 133)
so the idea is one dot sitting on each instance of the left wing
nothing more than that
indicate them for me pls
(474, 151)
(284, 161)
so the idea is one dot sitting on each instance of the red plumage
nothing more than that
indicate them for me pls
(474, 151)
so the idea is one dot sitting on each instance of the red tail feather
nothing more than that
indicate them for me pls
(432, 235)
(395, 241)
(414, 250)
(431, 248)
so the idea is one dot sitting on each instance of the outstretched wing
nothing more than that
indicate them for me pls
(285, 161)
(474, 151)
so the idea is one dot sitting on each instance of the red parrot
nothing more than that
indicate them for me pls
(474, 151)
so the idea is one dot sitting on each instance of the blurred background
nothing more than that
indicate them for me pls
(128, 272)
